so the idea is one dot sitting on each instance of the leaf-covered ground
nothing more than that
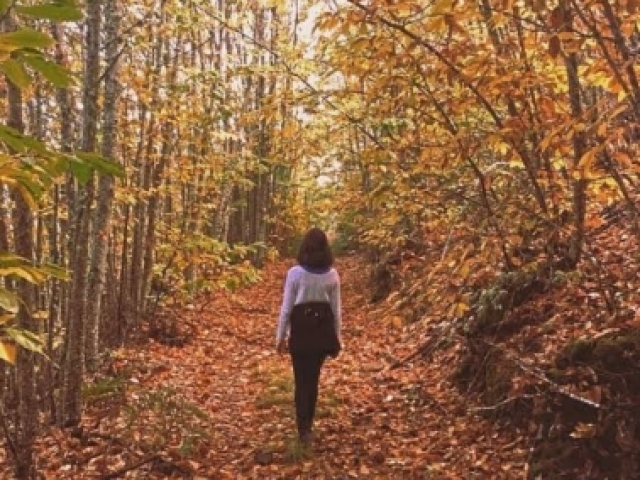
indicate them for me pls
(220, 406)
(214, 401)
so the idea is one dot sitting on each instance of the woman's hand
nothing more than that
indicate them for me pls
(281, 348)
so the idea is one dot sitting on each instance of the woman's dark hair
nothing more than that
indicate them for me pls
(315, 250)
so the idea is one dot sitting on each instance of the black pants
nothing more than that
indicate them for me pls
(306, 373)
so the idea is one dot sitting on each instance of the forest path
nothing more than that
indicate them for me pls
(372, 422)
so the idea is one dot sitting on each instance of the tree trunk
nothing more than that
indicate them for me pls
(102, 217)
(579, 186)
(27, 413)
(23, 230)
(77, 325)
(59, 291)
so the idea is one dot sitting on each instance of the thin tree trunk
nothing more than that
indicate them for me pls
(102, 217)
(135, 222)
(59, 292)
(74, 360)
(27, 414)
(579, 186)
(165, 58)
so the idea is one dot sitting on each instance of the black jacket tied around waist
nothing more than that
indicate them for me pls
(313, 329)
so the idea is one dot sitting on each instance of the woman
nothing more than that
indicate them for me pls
(311, 315)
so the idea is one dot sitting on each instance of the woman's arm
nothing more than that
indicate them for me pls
(288, 300)
(336, 307)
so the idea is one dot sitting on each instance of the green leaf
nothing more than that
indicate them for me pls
(11, 264)
(16, 72)
(48, 169)
(30, 274)
(12, 139)
(53, 72)
(32, 188)
(11, 260)
(14, 265)
(36, 172)
(8, 351)
(58, 11)
(101, 164)
(9, 300)
(27, 196)
(25, 339)
(58, 166)
(81, 171)
(22, 143)
(24, 38)
(55, 271)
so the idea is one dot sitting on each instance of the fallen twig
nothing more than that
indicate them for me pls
(557, 388)
(504, 402)
(541, 376)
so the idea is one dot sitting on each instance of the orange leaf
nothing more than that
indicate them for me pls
(8, 352)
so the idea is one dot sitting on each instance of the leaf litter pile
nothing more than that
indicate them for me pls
(549, 390)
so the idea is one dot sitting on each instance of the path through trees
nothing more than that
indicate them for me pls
(227, 384)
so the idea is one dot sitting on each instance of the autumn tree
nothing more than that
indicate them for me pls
(479, 132)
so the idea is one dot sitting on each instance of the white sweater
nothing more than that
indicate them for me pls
(303, 286)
